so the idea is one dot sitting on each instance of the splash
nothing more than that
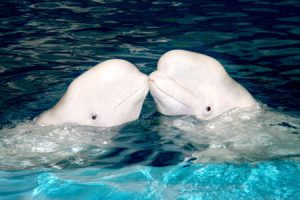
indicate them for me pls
(241, 136)
(238, 136)
(29, 145)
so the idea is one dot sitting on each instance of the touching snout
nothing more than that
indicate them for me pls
(170, 98)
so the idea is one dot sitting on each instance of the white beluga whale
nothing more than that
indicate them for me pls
(189, 83)
(109, 94)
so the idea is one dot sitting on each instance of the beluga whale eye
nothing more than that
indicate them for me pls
(208, 108)
(94, 116)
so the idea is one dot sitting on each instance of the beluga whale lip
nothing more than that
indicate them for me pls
(189, 83)
(176, 103)
(109, 94)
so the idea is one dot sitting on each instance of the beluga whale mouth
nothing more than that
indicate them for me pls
(109, 94)
(170, 102)
(188, 83)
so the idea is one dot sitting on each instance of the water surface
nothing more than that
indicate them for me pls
(45, 45)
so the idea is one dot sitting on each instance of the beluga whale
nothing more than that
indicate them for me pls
(109, 94)
(189, 83)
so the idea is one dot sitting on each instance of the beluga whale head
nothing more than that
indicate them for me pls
(109, 94)
(188, 83)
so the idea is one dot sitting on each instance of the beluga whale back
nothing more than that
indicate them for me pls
(109, 94)
(188, 83)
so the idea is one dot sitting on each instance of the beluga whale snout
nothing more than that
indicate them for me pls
(109, 94)
(189, 83)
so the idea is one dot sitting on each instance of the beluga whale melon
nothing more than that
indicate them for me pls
(109, 94)
(189, 83)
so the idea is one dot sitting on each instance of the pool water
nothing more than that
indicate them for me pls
(243, 154)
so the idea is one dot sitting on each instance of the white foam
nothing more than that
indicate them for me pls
(241, 135)
(236, 136)
(29, 145)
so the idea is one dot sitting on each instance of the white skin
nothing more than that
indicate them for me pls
(109, 94)
(188, 83)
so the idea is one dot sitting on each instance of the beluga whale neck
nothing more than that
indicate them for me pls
(109, 94)
(189, 83)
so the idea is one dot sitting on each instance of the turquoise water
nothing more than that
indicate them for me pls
(242, 155)
(268, 180)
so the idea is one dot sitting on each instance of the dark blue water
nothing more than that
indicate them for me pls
(45, 45)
